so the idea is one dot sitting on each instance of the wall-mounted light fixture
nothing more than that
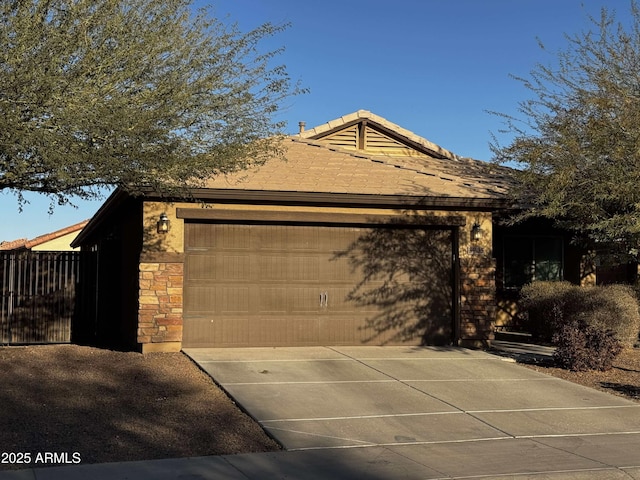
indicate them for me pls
(476, 231)
(163, 223)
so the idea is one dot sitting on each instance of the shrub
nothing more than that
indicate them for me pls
(543, 306)
(548, 306)
(615, 308)
(581, 347)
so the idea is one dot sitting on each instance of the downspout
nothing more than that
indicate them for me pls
(455, 287)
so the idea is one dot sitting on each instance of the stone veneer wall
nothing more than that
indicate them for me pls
(160, 306)
(477, 301)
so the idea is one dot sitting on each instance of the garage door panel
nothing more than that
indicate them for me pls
(337, 270)
(272, 300)
(283, 238)
(340, 330)
(234, 300)
(251, 285)
(288, 267)
(232, 267)
(261, 330)
(202, 236)
(204, 300)
(205, 331)
(360, 330)
(218, 267)
(200, 267)
(199, 300)
(304, 299)
(302, 330)
(338, 301)
(288, 300)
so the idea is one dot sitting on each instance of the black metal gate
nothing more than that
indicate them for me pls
(38, 296)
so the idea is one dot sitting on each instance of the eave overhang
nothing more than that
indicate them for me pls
(295, 198)
(355, 200)
(113, 201)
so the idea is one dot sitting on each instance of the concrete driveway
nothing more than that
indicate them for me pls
(430, 412)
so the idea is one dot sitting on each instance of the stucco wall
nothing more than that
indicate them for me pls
(61, 244)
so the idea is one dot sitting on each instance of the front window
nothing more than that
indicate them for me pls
(527, 259)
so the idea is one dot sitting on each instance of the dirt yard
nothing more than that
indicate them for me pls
(102, 406)
(623, 379)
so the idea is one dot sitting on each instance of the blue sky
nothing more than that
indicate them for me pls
(434, 67)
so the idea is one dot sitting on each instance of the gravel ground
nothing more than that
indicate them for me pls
(106, 406)
(623, 379)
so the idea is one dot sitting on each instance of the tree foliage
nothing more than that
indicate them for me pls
(140, 94)
(577, 145)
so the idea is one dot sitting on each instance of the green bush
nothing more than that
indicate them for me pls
(547, 306)
(581, 347)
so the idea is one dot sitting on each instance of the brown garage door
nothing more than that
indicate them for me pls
(275, 284)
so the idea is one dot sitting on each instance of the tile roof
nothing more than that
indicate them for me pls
(314, 166)
(23, 243)
(13, 244)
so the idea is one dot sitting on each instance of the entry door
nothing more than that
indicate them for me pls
(270, 285)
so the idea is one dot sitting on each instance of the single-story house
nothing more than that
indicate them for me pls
(58, 241)
(366, 234)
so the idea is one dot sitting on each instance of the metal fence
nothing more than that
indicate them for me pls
(38, 296)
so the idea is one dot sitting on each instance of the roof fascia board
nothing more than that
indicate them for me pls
(318, 218)
(114, 200)
(356, 200)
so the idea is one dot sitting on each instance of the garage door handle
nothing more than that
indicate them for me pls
(324, 299)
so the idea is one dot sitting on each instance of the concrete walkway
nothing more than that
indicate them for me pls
(398, 412)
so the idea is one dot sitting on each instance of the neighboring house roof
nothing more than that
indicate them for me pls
(46, 241)
(18, 244)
